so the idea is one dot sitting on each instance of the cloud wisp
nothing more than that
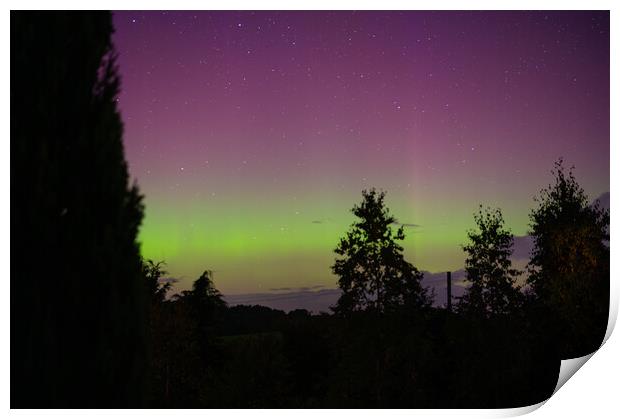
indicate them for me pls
(406, 225)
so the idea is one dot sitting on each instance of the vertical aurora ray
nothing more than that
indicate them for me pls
(252, 134)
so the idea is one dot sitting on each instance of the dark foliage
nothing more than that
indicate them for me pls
(492, 287)
(373, 274)
(152, 273)
(91, 325)
(569, 268)
(378, 354)
(78, 306)
(367, 360)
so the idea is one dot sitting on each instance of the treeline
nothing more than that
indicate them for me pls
(91, 325)
(258, 357)
(386, 345)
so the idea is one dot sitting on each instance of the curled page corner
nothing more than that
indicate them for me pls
(520, 411)
(569, 367)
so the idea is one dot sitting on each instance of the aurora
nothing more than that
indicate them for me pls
(252, 134)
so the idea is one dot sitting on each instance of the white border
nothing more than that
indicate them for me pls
(592, 393)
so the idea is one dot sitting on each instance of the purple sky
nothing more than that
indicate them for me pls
(252, 134)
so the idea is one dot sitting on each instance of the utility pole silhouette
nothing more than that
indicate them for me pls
(449, 291)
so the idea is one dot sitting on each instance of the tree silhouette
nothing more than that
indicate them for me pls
(203, 293)
(373, 273)
(492, 289)
(569, 268)
(78, 303)
(204, 290)
(152, 273)
(206, 304)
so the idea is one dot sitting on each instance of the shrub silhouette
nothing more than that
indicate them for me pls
(152, 273)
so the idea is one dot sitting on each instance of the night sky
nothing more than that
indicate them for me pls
(252, 134)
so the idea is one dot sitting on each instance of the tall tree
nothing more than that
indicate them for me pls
(373, 273)
(569, 268)
(492, 289)
(78, 302)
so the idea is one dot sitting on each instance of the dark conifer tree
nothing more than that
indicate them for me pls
(78, 302)
(205, 302)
